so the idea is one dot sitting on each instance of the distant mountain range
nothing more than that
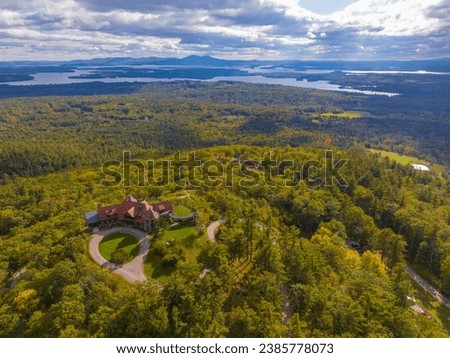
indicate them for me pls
(208, 61)
(205, 61)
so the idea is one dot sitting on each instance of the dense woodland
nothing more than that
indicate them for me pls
(66, 132)
(279, 243)
(293, 239)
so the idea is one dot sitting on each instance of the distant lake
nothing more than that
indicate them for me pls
(420, 72)
(293, 82)
(65, 78)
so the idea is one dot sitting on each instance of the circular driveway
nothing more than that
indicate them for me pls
(132, 271)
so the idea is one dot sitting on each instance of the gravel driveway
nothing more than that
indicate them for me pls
(211, 230)
(132, 271)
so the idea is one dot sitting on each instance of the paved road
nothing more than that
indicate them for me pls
(211, 230)
(425, 285)
(132, 271)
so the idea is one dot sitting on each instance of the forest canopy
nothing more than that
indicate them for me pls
(67, 132)
(278, 243)
(336, 253)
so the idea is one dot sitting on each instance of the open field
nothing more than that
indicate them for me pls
(341, 115)
(119, 241)
(399, 158)
(182, 233)
(406, 159)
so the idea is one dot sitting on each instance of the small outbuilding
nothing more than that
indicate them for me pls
(92, 218)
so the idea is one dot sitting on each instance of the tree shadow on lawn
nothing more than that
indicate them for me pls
(108, 238)
(125, 245)
(127, 241)
(158, 270)
(135, 251)
(189, 241)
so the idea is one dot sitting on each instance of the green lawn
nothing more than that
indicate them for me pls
(119, 241)
(439, 311)
(402, 159)
(181, 232)
(186, 237)
(181, 210)
(153, 268)
(406, 159)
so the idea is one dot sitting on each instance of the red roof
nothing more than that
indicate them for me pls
(163, 207)
(131, 209)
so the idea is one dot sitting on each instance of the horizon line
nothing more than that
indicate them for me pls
(229, 60)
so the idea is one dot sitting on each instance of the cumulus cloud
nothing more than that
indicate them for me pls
(387, 17)
(226, 28)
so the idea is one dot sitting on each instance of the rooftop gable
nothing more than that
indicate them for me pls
(132, 209)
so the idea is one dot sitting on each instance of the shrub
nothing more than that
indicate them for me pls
(170, 260)
(119, 257)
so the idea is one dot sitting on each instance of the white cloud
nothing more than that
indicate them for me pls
(11, 18)
(388, 17)
(225, 28)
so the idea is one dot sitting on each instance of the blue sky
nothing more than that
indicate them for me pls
(325, 6)
(232, 29)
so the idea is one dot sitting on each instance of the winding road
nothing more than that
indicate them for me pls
(426, 286)
(132, 271)
(211, 230)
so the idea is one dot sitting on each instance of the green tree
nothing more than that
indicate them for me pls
(391, 246)
(445, 274)
(69, 312)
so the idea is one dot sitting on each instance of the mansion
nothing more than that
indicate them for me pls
(130, 212)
